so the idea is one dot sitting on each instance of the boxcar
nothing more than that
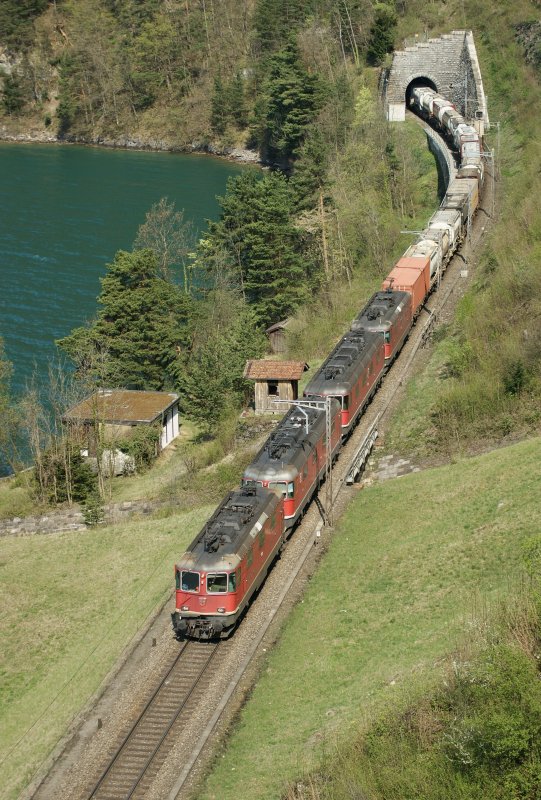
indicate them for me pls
(411, 275)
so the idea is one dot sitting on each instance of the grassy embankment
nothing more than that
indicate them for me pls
(71, 604)
(412, 566)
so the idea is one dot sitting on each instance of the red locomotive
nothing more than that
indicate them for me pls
(293, 459)
(227, 562)
(351, 373)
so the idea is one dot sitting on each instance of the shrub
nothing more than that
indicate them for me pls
(93, 510)
(142, 445)
(61, 475)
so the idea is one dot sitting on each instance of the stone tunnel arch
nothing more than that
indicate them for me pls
(421, 80)
(448, 63)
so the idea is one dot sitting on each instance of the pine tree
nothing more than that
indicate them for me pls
(140, 330)
(12, 95)
(310, 170)
(219, 107)
(257, 244)
(16, 18)
(382, 33)
(275, 20)
(289, 102)
(236, 103)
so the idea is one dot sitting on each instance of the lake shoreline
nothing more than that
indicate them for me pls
(124, 142)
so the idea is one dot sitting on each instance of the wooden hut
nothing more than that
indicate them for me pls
(276, 335)
(274, 380)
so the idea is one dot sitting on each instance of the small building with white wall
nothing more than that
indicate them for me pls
(114, 413)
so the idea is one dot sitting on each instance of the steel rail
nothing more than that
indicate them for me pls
(183, 654)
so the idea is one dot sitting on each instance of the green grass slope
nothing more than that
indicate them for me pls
(410, 566)
(70, 605)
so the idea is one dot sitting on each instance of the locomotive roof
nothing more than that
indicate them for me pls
(341, 370)
(380, 311)
(229, 533)
(285, 450)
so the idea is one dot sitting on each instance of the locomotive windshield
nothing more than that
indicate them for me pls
(190, 581)
(216, 582)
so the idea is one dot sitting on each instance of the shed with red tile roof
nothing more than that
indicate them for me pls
(274, 381)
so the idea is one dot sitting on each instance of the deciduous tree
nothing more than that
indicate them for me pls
(170, 237)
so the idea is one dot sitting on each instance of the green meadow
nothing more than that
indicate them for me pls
(413, 565)
(71, 603)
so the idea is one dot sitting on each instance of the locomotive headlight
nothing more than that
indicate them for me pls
(221, 610)
(185, 608)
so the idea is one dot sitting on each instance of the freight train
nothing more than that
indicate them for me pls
(229, 559)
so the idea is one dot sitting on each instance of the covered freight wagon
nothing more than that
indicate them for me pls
(410, 275)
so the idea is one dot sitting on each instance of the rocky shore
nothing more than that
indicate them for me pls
(133, 143)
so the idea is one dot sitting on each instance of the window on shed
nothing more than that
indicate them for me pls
(273, 388)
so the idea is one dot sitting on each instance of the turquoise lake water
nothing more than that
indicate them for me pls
(64, 212)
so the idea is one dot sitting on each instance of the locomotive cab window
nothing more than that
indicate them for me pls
(387, 337)
(216, 582)
(190, 581)
(345, 402)
(233, 581)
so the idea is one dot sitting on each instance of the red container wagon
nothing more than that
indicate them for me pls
(227, 562)
(293, 460)
(351, 373)
(389, 314)
(410, 275)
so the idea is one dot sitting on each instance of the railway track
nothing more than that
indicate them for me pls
(144, 748)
